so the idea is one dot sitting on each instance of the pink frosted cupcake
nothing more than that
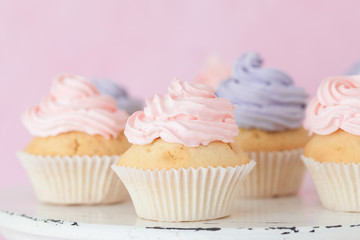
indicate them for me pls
(78, 136)
(333, 153)
(183, 165)
(213, 72)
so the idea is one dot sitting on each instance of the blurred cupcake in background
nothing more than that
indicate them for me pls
(354, 69)
(214, 71)
(269, 113)
(78, 136)
(333, 153)
(184, 165)
(123, 100)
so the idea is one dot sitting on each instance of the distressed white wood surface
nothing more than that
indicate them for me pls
(299, 217)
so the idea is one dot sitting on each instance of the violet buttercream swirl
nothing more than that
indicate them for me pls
(190, 114)
(123, 100)
(265, 98)
(336, 106)
(74, 104)
(354, 69)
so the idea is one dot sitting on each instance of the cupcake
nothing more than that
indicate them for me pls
(123, 100)
(214, 71)
(183, 164)
(333, 153)
(354, 69)
(269, 113)
(78, 136)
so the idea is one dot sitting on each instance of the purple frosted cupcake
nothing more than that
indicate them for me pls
(354, 69)
(123, 100)
(269, 113)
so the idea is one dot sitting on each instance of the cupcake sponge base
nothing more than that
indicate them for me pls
(163, 155)
(337, 147)
(78, 144)
(260, 140)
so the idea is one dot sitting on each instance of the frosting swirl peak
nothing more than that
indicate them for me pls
(74, 104)
(265, 98)
(336, 106)
(190, 114)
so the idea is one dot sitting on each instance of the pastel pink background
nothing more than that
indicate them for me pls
(144, 44)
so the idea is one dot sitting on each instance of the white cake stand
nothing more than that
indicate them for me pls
(23, 217)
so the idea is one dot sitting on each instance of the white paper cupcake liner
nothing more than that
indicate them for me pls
(183, 194)
(74, 180)
(276, 174)
(337, 184)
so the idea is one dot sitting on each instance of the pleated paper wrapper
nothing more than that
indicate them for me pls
(183, 194)
(74, 180)
(337, 184)
(277, 173)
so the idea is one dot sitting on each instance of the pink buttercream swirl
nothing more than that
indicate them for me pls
(74, 104)
(190, 115)
(337, 106)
